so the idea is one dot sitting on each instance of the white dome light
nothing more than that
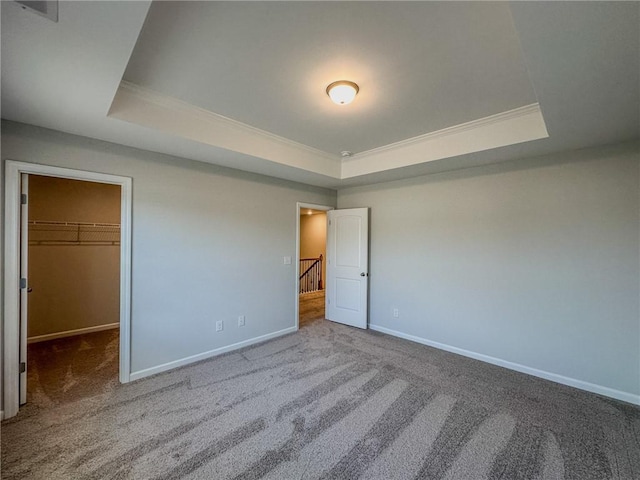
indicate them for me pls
(342, 92)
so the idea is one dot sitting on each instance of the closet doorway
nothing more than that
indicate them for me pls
(67, 282)
(73, 274)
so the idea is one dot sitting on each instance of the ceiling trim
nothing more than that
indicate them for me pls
(140, 105)
(460, 128)
(151, 109)
(519, 125)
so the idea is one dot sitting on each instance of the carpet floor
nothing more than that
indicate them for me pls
(68, 369)
(329, 402)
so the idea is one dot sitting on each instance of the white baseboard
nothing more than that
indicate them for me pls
(204, 355)
(71, 333)
(554, 377)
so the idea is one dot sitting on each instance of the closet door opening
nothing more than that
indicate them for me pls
(73, 294)
(56, 289)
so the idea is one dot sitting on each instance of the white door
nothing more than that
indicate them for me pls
(24, 284)
(347, 266)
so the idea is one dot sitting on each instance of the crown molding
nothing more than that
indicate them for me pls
(149, 108)
(519, 125)
(179, 105)
(454, 130)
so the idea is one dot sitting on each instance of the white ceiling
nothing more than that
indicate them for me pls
(421, 67)
(443, 85)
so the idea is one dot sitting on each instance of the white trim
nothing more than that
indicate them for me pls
(299, 207)
(455, 129)
(519, 125)
(205, 355)
(11, 339)
(149, 108)
(72, 333)
(140, 105)
(179, 105)
(554, 377)
(24, 292)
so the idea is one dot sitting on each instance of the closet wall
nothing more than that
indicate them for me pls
(74, 257)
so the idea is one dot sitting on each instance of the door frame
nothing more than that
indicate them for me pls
(11, 323)
(299, 207)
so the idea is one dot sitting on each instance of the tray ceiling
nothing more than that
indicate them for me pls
(444, 85)
(421, 66)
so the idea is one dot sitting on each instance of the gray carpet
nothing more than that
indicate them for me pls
(71, 368)
(329, 402)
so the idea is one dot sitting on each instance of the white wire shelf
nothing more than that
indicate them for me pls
(73, 233)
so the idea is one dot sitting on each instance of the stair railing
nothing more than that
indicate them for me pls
(311, 276)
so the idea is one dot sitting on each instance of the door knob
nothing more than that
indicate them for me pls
(362, 274)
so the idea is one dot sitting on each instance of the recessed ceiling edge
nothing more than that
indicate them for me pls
(150, 109)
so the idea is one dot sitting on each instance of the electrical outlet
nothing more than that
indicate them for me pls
(396, 313)
(219, 326)
(241, 321)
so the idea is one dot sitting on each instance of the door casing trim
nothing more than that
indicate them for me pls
(11, 287)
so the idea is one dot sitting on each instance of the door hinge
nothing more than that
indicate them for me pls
(23, 198)
(23, 367)
(23, 283)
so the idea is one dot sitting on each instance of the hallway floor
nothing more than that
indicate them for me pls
(311, 307)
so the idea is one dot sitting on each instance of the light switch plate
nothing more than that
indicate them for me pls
(287, 260)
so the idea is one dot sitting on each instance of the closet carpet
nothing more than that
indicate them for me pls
(328, 402)
(71, 368)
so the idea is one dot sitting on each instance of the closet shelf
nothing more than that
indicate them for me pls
(73, 233)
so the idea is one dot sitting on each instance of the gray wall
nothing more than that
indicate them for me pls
(533, 262)
(208, 242)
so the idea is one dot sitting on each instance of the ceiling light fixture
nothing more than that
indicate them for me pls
(342, 92)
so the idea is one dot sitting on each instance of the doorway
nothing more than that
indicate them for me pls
(311, 263)
(73, 273)
(345, 285)
(50, 232)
